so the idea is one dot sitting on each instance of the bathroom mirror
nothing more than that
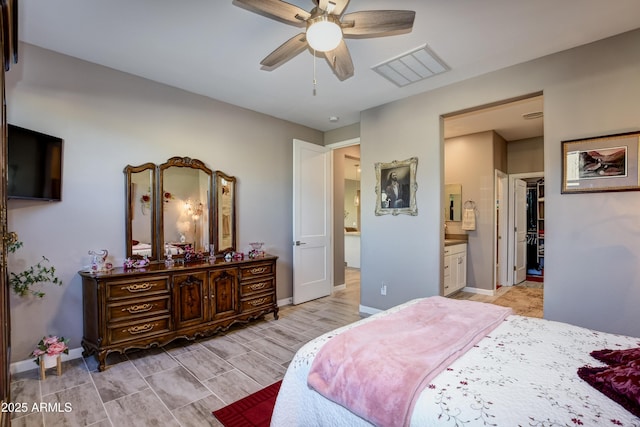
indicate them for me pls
(452, 202)
(140, 219)
(184, 205)
(225, 213)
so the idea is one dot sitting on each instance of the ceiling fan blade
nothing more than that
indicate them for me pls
(377, 23)
(340, 6)
(335, 7)
(285, 52)
(323, 4)
(276, 9)
(340, 61)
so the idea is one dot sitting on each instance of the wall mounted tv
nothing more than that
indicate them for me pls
(34, 165)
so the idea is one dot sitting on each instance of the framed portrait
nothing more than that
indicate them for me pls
(396, 187)
(603, 163)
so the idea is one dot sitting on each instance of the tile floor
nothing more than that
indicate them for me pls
(180, 384)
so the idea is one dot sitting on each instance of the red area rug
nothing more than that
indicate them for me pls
(252, 411)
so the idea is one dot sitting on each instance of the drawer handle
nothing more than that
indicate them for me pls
(258, 270)
(141, 308)
(260, 301)
(139, 287)
(257, 286)
(140, 329)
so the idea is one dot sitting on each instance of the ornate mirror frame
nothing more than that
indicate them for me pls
(147, 201)
(140, 204)
(197, 207)
(225, 213)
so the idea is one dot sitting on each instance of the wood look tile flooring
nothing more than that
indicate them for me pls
(182, 383)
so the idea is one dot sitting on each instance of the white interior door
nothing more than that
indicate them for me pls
(520, 231)
(312, 250)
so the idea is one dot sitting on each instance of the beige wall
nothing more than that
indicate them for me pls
(592, 273)
(468, 160)
(499, 153)
(525, 155)
(342, 134)
(108, 120)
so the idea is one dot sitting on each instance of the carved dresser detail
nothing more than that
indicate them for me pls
(141, 308)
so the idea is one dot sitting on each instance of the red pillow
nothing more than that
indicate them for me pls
(612, 357)
(620, 383)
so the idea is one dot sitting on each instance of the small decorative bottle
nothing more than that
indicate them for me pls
(168, 261)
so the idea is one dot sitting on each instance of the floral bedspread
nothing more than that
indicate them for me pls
(522, 374)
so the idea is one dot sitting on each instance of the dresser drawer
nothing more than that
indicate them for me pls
(138, 330)
(266, 284)
(258, 303)
(256, 270)
(129, 310)
(137, 288)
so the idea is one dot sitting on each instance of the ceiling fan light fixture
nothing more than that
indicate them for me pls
(323, 33)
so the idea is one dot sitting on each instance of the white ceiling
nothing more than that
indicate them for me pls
(213, 48)
(506, 119)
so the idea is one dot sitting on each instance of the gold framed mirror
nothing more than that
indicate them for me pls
(225, 213)
(184, 206)
(140, 217)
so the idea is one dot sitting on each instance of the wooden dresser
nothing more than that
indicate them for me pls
(141, 308)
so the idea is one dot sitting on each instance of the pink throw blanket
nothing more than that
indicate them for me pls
(377, 370)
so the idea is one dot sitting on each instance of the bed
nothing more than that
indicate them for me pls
(523, 372)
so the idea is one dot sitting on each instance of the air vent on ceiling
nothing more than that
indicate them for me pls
(411, 67)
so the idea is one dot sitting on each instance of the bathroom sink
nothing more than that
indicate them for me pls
(449, 242)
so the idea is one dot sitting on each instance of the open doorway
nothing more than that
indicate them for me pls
(347, 170)
(531, 217)
(511, 132)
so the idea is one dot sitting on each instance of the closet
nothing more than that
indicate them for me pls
(535, 229)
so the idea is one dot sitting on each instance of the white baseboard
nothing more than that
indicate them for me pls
(487, 292)
(286, 301)
(368, 310)
(29, 364)
(339, 287)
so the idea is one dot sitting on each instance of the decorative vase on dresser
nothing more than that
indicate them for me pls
(152, 306)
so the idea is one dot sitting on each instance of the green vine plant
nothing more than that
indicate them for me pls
(22, 282)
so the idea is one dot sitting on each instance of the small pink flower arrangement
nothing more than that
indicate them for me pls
(51, 346)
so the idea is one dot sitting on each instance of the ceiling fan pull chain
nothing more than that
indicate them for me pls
(314, 72)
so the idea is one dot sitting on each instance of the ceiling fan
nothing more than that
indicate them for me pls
(326, 25)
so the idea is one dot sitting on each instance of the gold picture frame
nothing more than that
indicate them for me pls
(396, 187)
(602, 163)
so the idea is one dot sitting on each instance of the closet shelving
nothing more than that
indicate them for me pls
(535, 227)
(540, 230)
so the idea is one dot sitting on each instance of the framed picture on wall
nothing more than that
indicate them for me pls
(396, 187)
(602, 163)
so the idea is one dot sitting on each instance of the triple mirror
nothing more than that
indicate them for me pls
(178, 206)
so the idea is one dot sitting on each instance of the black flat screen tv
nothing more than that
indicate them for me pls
(34, 165)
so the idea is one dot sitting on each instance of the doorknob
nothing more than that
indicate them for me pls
(298, 243)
